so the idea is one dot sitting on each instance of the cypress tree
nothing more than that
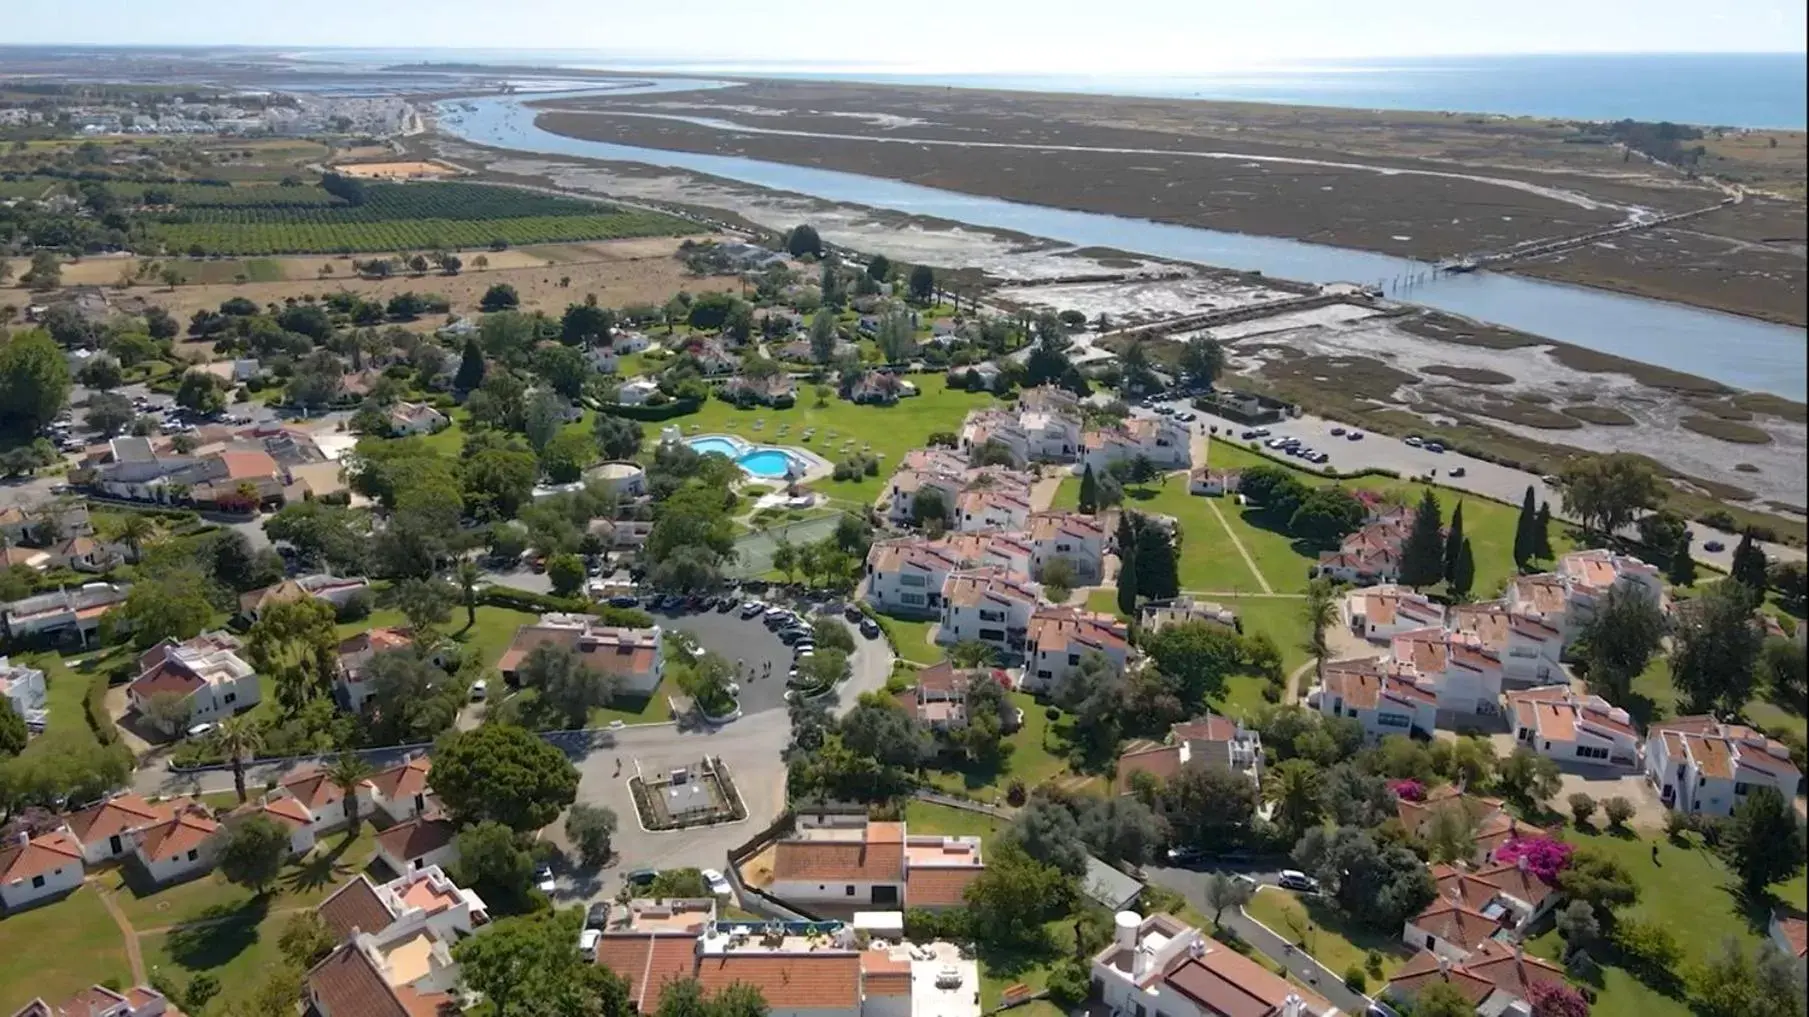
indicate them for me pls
(1158, 575)
(471, 367)
(1523, 529)
(1748, 568)
(1463, 572)
(1681, 570)
(1127, 579)
(1089, 491)
(1454, 542)
(1542, 531)
(1423, 552)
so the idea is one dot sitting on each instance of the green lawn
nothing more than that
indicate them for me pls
(303, 883)
(930, 818)
(66, 689)
(1688, 890)
(911, 638)
(494, 630)
(58, 949)
(1325, 934)
(890, 430)
(653, 709)
(1038, 752)
(1278, 617)
(1655, 698)
(237, 951)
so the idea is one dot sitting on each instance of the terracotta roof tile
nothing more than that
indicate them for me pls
(838, 861)
(648, 963)
(354, 906)
(43, 853)
(789, 981)
(939, 887)
(184, 832)
(417, 837)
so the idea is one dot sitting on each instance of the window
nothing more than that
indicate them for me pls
(1740, 787)
(850, 892)
(910, 580)
(37, 882)
(992, 616)
(1394, 720)
(231, 698)
(1045, 675)
(911, 598)
(193, 855)
(1073, 660)
(1429, 942)
(1591, 752)
(992, 635)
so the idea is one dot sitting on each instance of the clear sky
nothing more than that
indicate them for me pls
(970, 36)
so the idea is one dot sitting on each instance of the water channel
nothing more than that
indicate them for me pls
(1740, 352)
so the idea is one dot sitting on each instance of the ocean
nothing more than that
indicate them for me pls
(1759, 90)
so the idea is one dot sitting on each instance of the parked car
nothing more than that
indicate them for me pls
(543, 880)
(728, 604)
(1355, 436)
(1435, 446)
(1294, 879)
(202, 730)
(1413, 440)
(597, 915)
(1247, 435)
(641, 877)
(853, 613)
(1714, 546)
(869, 628)
(587, 943)
(1336, 431)
(479, 690)
(719, 884)
(752, 608)
(1458, 471)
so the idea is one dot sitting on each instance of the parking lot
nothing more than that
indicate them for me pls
(746, 642)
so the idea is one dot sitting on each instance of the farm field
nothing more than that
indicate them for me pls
(619, 272)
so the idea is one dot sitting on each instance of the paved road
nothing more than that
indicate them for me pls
(1485, 478)
(1191, 884)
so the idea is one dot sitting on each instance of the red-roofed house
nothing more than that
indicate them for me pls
(1700, 764)
(632, 656)
(1161, 965)
(988, 606)
(1493, 979)
(906, 576)
(100, 1001)
(1556, 722)
(401, 792)
(181, 847)
(1059, 638)
(1379, 613)
(1383, 702)
(205, 672)
(1790, 933)
(109, 829)
(35, 869)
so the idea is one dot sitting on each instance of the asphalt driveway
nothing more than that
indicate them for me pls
(746, 642)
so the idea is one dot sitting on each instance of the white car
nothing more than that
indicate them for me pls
(479, 690)
(543, 880)
(587, 943)
(201, 730)
(1294, 879)
(719, 884)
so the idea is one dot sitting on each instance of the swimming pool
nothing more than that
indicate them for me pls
(763, 461)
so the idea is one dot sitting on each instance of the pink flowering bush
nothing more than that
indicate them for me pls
(1556, 1001)
(1408, 790)
(1544, 857)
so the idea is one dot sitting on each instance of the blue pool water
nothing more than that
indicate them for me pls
(759, 461)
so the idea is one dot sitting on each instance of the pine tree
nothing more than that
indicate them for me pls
(1523, 529)
(471, 367)
(1423, 552)
(1454, 542)
(1748, 567)
(1463, 572)
(1542, 531)
(1089, 491)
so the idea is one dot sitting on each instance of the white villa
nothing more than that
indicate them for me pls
(1556, 722)
(1700, 764)
(206, 671)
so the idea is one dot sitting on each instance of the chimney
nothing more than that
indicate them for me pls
(23, 837)
(1519, 953)
(1521, 863)
(1444, 966)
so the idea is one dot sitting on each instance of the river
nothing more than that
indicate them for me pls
(1739, 352)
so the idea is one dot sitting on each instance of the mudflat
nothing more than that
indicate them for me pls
(1419, 185)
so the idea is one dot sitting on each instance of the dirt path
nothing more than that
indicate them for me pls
(1261, 579)
(1042, 493)
(134, 956)
(1292, 693)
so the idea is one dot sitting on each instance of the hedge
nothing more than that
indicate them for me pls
(541, 603)
(648, 414)
(94, 705)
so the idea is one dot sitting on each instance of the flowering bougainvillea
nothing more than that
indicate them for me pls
(1556, 1001)
(1544, 856)
(1408, 790)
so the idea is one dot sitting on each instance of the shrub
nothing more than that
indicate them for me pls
(1015, 794)
(1354, 978)
(356, 607)
(1581, 808)
(1679, 823)
(1618, 810)
(94, 706)
(1068, 984)
(1408, 790)
(1372, 963)
(1053, 713)
(1648, 947)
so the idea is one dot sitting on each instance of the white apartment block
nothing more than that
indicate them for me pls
(990, 549)
(988, 606)
(1162, 440)
(1561, 725)
(991, 508)
(1461, 674)
(1699, 764)
(24, 690)
(1379, 613)
(1078, 539)
(1060, 638)
(1384, 702)
(906, 576)
(1527, 649)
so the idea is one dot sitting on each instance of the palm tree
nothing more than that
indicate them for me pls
(346, 773)
(237, 738)
(468, 575)
(1295, 789)
(1321, 612)
(135, 529)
